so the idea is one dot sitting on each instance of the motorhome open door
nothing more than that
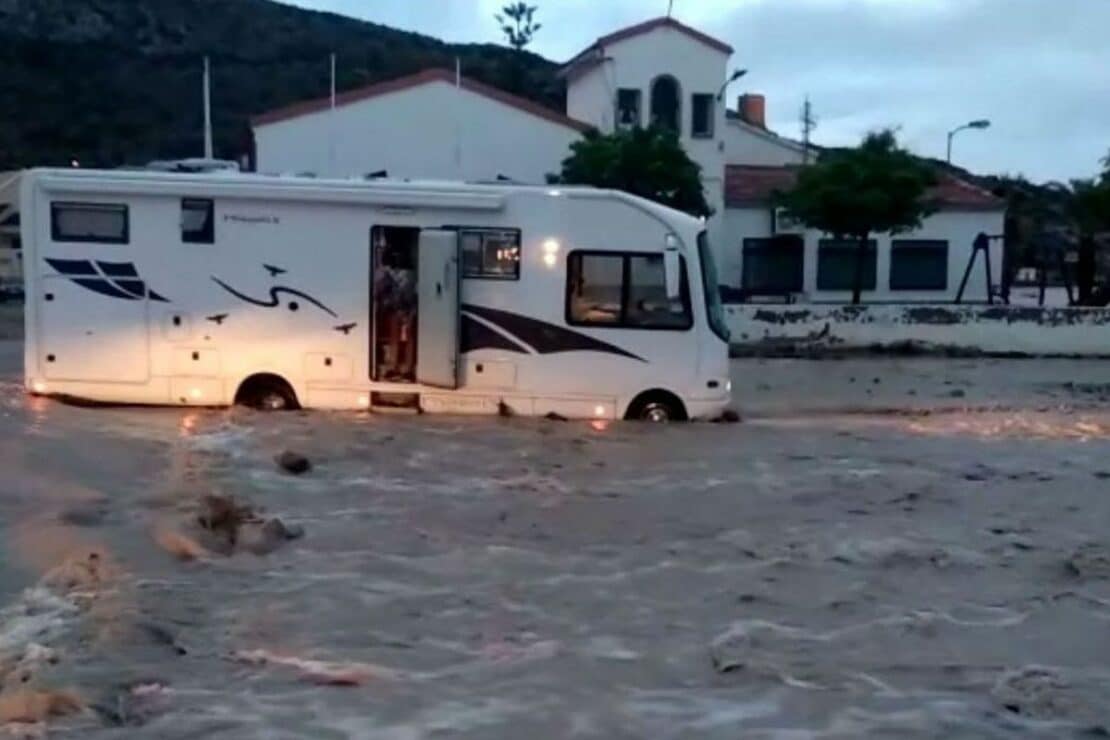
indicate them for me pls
(437, 335)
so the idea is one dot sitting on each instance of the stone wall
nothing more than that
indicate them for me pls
(970, 330)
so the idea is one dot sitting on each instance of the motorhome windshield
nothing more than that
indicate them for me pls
(713, 307)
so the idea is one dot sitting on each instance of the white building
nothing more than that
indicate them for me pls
(660, 72)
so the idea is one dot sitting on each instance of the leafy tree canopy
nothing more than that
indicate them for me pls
(649, 162)
(518, 23)
(877, 187)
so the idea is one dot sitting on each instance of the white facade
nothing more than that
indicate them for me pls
(956, 228)
(636, 62)
(429, 130)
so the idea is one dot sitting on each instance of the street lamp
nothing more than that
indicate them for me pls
(980, 124)
(733, 78)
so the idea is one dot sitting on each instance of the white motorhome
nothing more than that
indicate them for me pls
(214, 289)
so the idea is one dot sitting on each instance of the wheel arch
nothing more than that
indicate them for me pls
(643, 398)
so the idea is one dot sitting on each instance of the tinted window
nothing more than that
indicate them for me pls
(624, 290)
(775, 265)
(198, 221)
(702, 124)
(919, 264)
(89, 222)
(628, 108)
(490, 254)
(836, 264)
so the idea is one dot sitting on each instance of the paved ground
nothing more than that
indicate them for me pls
(834, 567)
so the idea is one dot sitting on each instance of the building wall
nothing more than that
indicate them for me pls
(958, 228)
(433, 131)
(635, 63)
(744, 146)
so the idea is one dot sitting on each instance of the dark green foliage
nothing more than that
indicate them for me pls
(111, 82)
(647, 162)
(518, 24)
(853, 193)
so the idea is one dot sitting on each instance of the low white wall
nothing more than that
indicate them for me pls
(1006, 330)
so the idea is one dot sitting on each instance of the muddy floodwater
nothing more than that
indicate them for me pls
(825, 569)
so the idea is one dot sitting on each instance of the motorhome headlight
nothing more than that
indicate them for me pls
(555, 193)
(196, 393)
(551, 252)
(364, 402)
(38, 386)
(599, 412)
(728, 386)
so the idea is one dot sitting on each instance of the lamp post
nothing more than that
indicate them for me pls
(732, 78)
(980, 124)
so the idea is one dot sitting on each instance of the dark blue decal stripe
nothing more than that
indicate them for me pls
(156, 297)
(103, 287)
(118, 269)
(476, 336)
(136, 288)
(548, 339)
(72, 268)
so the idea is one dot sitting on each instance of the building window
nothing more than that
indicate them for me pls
(628, 108)
(490, 254)
(666, 98)
(89, 222)
(701, 125)
(774, 266)
(198, 221)
(836, 264)
(919, 264)
(624, 290)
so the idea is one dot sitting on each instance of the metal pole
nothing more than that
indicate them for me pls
(331, 124)
(208, 148)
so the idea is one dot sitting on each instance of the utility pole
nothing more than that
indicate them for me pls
(670, 8)
(809, 125)
(208, 149)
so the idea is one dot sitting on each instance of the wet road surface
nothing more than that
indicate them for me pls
(800, 575)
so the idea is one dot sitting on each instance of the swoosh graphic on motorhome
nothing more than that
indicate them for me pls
(547, 339)
(274, 301)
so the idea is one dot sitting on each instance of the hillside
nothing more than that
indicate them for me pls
(111, 82)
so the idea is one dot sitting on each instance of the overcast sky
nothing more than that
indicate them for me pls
(1038, 69)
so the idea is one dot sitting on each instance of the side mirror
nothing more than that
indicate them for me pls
(672, 270)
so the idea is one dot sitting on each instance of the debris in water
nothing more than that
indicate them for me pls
(180, 546)
(294, 463)
(728, 416)
(1090, 561)
(318, 672)
(505, 410)
(222, 515)
(30, 707)
(85, 572)
(555, 417)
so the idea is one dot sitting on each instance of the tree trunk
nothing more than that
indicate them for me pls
(861, 260)
(1085, 269)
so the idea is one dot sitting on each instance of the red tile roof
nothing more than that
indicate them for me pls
(747, 185)
(407, 83)
(647, 27)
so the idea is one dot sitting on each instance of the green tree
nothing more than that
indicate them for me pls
(1089, 209)
(518, 24)
(649, 162)
(874, 188)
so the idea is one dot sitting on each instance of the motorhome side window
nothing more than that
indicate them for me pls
(101, 223)
(198, 222)
(492, 254)
(623, 290)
